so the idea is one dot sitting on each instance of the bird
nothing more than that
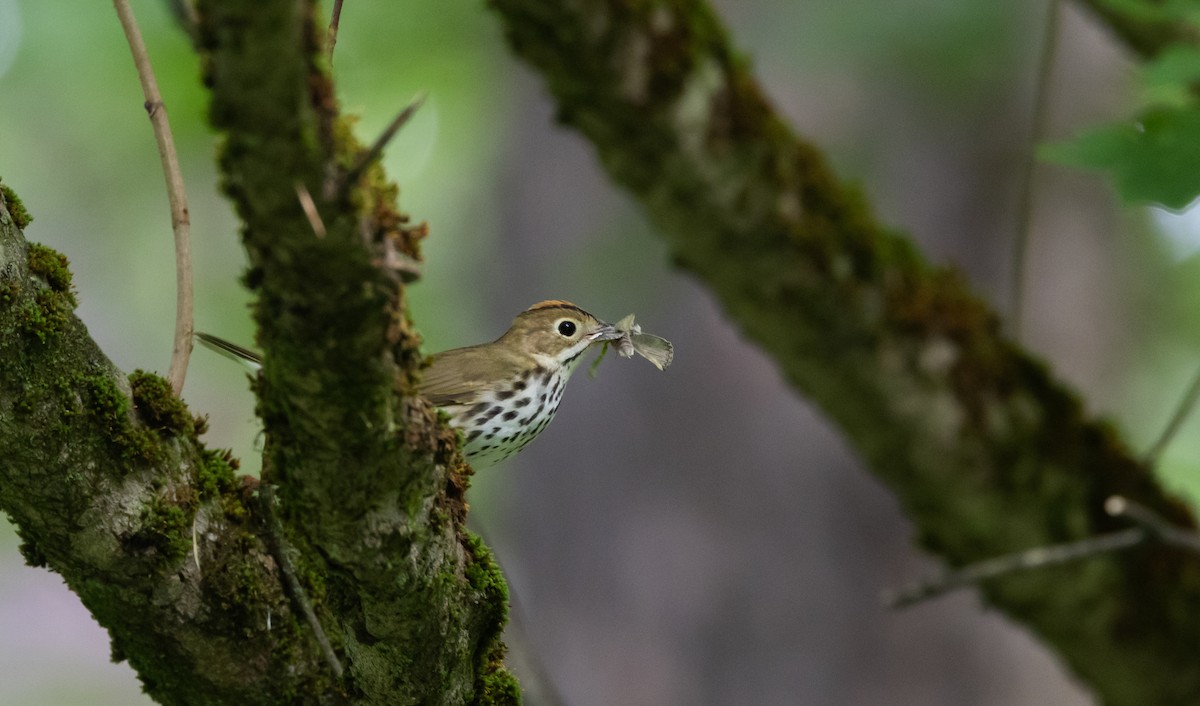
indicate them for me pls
(499, 395)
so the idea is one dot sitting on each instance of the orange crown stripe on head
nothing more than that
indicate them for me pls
(554, 304)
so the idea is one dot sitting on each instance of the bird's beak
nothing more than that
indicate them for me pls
(606, 332)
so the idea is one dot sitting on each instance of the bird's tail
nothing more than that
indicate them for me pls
(233, 351)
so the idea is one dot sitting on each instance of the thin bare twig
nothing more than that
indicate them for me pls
(333, 26)
(335, 187)
(299, 597)
(195, 543)
(176, 196)
(310, 210)
(1041, 100)
(1036, 558)
(1186, 404)
(1151, 527)
(1158, 527)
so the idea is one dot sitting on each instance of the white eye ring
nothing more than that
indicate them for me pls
(567, 328)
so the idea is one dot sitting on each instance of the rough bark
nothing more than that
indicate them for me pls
(987, 450)
(107, 484)
(368, 483)
(106, 481)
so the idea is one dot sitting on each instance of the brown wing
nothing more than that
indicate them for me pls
(460, 376)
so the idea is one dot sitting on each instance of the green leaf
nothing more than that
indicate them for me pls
(1156, 158)
(1170, 79)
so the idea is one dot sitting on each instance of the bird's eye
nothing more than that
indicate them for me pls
(566, 328)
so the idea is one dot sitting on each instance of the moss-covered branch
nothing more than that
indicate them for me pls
(107, 485)
(987, 450)
(369, 481)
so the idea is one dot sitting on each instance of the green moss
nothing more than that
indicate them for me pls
(109, 405)
(162, 415)
(240, 588)
(234, 507)
(215, 477)
(52, 266)
(498, 688)
(494, 684)
(48, 313)
(215, 474)
(30, 550)
(165, 529)
(157, 405)
(244, 593)
(23, 405)
(483, 573)
(9, 292)
(140, 440)
(155, 660)
(17, 209)
(103, 398)
(311, 575)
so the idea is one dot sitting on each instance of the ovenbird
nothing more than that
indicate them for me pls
(499, 395)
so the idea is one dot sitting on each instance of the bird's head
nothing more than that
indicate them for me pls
(557, 333)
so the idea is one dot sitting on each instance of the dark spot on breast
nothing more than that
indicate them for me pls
(474, 435)
(522, 402)
(505, 394)
(542, 397)
(478, 408)
(509, 416)
(519, 384)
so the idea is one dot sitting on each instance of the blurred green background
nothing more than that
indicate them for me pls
(695, 537)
